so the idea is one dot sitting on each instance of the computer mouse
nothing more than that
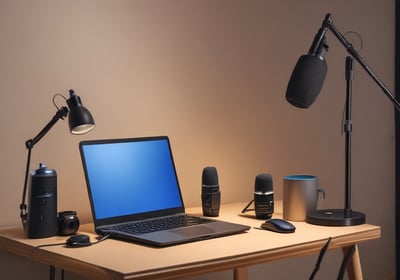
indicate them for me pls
(78, 240)
(279, 225)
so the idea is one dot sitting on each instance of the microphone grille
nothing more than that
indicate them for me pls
(210, 176)
(306, 81)
(263, 183)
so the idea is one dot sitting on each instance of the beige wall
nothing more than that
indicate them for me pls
(211, 75)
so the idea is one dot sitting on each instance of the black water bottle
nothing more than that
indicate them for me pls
(42, 209)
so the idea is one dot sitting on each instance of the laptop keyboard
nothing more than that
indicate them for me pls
(161, 224)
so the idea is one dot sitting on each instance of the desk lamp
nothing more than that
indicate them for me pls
(304, 87)
(80, 122)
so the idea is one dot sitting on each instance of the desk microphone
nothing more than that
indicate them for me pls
(210, 193)
(42, 219)
(263, 196)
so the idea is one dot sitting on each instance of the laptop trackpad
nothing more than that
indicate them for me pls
(194, 231)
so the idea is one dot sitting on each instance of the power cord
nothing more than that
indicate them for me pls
(100, 239)
(344, 264)
(246, 209)
(53, 268)
(346, 261)
(53, 273)
(320, 257)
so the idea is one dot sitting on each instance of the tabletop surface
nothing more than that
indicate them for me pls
(125, 260)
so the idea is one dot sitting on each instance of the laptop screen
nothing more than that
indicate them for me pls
(130, 176)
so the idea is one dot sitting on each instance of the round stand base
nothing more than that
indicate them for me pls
(335, 217)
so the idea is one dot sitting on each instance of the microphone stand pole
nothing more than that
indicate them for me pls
(346, 216)
(347, 128)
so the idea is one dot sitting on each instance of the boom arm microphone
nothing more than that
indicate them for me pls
(309, 73)
(303, 88)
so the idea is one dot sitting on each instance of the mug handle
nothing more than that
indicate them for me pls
(321, 191)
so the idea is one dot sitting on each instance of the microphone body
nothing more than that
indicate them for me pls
(42, 219)
(210, 193)
(310, 71)
(263, 196)
(306, 81)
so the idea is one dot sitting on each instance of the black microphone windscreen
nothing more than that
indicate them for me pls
(210, 176)
(263, 183)
(306, 81)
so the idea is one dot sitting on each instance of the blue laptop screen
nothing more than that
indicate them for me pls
(130, 177)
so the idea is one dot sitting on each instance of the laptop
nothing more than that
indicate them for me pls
(132, 185)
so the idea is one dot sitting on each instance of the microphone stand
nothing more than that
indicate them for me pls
(347, 128)
(346, 216)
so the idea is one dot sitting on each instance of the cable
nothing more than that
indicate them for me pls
(52, 272)
(346, 261)
(47, 245)
(54, 98)
(361, 41)
(53, 268)
(245, 209)
(100, 239)
(320, 257)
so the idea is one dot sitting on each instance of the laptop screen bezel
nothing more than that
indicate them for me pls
(132, 217)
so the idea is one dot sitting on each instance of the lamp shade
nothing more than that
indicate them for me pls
(80, 119)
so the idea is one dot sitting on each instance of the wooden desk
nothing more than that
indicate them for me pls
(112, 259)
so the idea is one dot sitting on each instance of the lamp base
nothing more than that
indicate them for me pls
(335, 217)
